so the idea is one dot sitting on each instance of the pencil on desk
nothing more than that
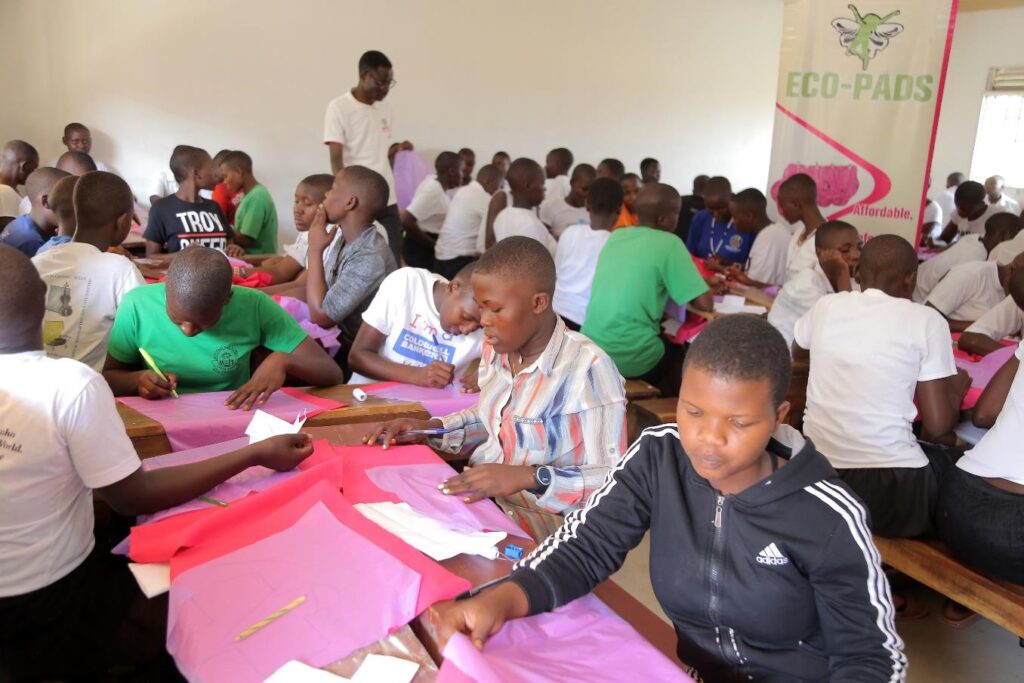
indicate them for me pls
(152, 366)
(276, 615)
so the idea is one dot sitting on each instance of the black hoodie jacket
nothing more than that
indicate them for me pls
(781, 582)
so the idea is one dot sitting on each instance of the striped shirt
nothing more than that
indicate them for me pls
(567, 410)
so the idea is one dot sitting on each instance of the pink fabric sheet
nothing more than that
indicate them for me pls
(437, 402)
(582, 642)
(298, 309)
(981, 372)
(409, 170)
(195, 420)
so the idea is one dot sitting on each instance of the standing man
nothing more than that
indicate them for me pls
(357, 130)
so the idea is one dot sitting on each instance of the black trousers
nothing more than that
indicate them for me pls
(418, 255)
(392, 223)
(450, 268)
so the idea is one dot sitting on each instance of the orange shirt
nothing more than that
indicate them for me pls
(626, 219)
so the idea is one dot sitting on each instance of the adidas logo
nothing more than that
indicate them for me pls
(772, 556)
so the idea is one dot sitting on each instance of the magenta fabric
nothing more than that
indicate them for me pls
(298, 309)
(409, 171)
(982, 371)
(582, 642)
(195, 420)
(355, 594)
(437, 402)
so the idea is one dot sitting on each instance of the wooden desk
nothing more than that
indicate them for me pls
(135, 243)
(149, 438)
(753, 295)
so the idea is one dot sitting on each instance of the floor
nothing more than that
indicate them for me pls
(982, 652)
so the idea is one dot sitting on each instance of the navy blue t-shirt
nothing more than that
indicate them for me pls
(24, 235)
(709, 237)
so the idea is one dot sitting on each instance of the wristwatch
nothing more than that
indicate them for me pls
(542, 476)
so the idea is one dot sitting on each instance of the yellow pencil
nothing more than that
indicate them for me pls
(156, 371)
(276, 615)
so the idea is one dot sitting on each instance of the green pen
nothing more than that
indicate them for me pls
(152, 366)
(212, 501)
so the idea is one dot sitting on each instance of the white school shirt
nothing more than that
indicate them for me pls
(575, 262)
(163, 185)
(1009, 204)
(965, 250)
(800, 256)
(364, 131)
(769, 255)
(968, 291)
(60, 437)
(1005, 252)
(947, 202)
(997, 455)
(299, 249)
(429, 205)
(868, 352)
(84, 287)
(9, 201)
(932, 213)
(1005, 319)
(558, 214)
(461, 228)
(557, 187)
(512, 221)
(796, 298)
(403, 310)
(976, 226)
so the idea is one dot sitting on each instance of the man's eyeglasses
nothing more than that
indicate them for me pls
(386, 85)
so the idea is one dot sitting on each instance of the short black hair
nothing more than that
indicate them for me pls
(99, 198)
(373, 59)
(751, 199)
(186, 159)
(614, 166)
(238, 160)
(368, 186)
(73, 126)
(648, 163)
(631, 176)
(955, 178)
(828, 232)
(718, 185)
(42, 180)
(886, 259)
(583, 170)
(487, 173)
(198, 279)
(321, 182)
(219, 156)
(563, 156)
(969, 192)
(521, 170)
(802, 185)
(743, 347)
(83, 161)
(518, 258)
(1005, 224)
(501, 154)
(20, 148)
(467, 152)
(62, 201)
(1016, 287)
(22, 300)
(605, 196)
(446, 161)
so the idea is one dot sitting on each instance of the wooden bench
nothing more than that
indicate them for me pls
(930, 563)
(653, 411)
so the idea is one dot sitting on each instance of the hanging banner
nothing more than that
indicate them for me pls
(858, 104)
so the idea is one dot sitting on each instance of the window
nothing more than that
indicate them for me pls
(999, 145)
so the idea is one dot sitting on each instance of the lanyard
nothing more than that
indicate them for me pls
(711, 238)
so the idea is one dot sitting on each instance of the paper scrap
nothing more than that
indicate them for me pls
(384, 669)
(264, 425)
(154, 578)
(297, 672)
(428, 535)
(671, 326)
(731, 304)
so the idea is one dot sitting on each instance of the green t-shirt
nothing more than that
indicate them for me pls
(216, 359)
(257, 218)
(637, 271)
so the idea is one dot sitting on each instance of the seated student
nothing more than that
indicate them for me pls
(309, 195)
(419, 329)
(255, 227)
(971, 211)
(18, 160)
(78, 138)
(971, 290)
(558, 213)
(458, 240)
(615, 169)
(798, 204)
(61, 202)
(838, 249)
(201, 331)
(164, 185)
(526, 178)
(578, 251)
(1005, 319)
(630, 189)
(76, 163)
(468, 157)
(967, 249)
(713, 235)
(502, 161)
(85, 284)
(1006, 251)
(557, 165)
(692, 203)
(536, 373)
(227, 200)
(650, 171)
(28, 232)
(766, 262)
(792, 574)
(424, 216)
(637, 271)
(994, 195)
(876, 361)
(184, 219)
(338, 291)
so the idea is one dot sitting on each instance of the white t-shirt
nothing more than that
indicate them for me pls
(403, 311)
(512, 221)
(868, 352)
(461, 228)
(977, 226)
(1005, 252)
(932, 213)
(364, 130)
(9, 201)
(965, 250)
(946, 202)
(1009, 204)
(60, 436)
(558, 214)
(84, 287)
(163, 185)
(796, 298)
(769, 254)
(1005, 319)
(558, 186)
(575, 262)
(429, 205)
(968, 291)
(299, 249)
(997, 455)
(800, 256)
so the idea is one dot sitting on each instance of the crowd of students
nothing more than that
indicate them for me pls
(541, 287)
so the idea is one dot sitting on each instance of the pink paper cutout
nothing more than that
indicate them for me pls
(202, 419)
(355, 594)
(982, 371)
(583, 641)
(437, 402)
(298, 309)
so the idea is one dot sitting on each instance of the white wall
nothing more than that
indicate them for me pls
(691, 83)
